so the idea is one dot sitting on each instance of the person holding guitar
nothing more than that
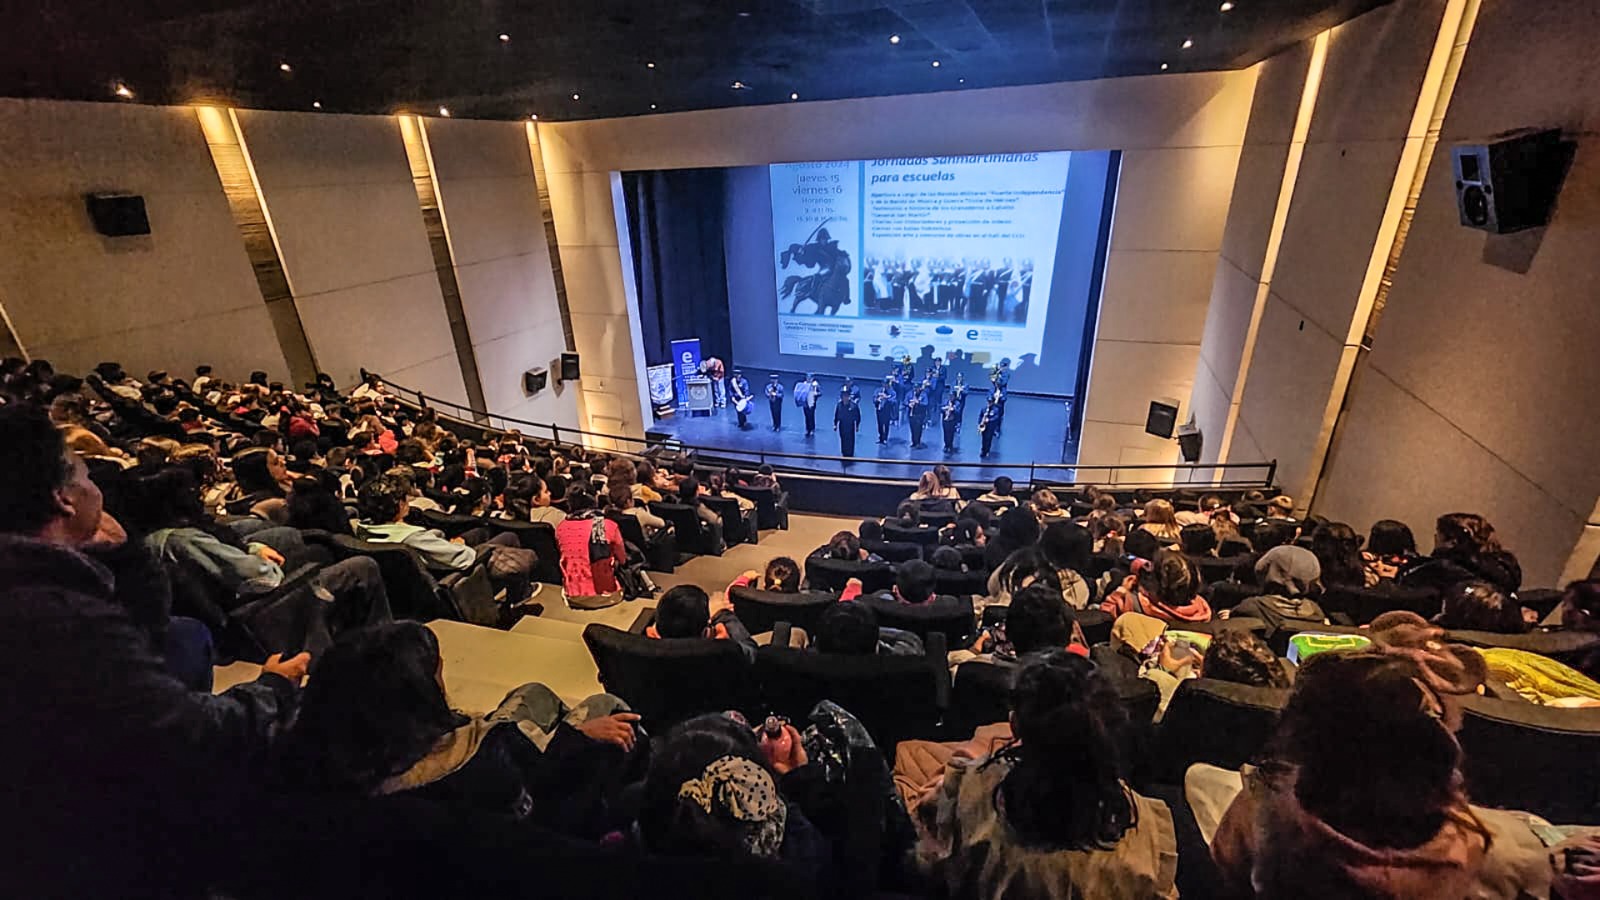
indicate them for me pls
(775, 394)
(739, 393)
(884, 402)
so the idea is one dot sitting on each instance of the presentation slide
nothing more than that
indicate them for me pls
(876, 259)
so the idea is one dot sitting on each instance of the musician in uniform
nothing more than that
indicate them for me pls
(775, 394)
(917, 412)
(951, 416)
(884, 402)
(847, 421)
(806, 394)
(987, 426)
(739, 393)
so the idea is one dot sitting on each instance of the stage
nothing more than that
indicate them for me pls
(1034, 431)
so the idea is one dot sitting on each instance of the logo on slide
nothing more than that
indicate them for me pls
(944, 329)
(972, 334)
(844, 348)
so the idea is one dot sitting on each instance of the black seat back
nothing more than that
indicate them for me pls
(540, 537)
(893, 552)
(936, 519)
(827, 574)
(895, 533)
(950, 616)
(1529, 757)
(1569, 647)
(760, 610)
(692, 537)
(1362, 605)
(1216, 722)
(960, 584)
(452, 525)
(413, 591)
(670, 679)
(738, 527)
(896, 697)
(768, 513)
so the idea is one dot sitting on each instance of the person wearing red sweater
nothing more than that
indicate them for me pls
(1166, 588)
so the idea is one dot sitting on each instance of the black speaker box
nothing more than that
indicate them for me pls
(569, 367)
(534, 380)
(1190, 440)
(1510, 182)
(117, 215)
(1161, 421)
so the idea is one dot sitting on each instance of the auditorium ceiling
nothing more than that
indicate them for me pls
(581, 59)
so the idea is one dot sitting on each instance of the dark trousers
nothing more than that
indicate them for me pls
(950, 426)
(811, 419)
(188, 652)
(518, 582)
(744, 417)
(359, 595)
(917, 423)
(847, 442)
(988, 438)
(777, 412)
(883, 426)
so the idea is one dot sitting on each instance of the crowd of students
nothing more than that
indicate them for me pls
(129, 777)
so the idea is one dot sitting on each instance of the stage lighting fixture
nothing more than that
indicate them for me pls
(533, 116)
(894, 38)
(936, 64)
(652, 106)
(574, 96)
(285, 67)
(1187, 43)
(1227, 6)
(649, 65)
(444, 111)
(505, 38)
(122, 90)
(738, 85)
(1163, 67)
(794, 96)
(316, 104)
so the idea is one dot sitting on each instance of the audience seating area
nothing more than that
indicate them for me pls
(1143, 584)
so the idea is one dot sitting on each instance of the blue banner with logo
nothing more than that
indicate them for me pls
(685, 364)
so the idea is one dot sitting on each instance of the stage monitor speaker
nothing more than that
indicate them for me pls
(534, 380)
(117, 215)
(569, 367)
(1190, 440)
(1509, 183)
(1163, 418)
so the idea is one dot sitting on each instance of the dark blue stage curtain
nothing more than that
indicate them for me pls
(675, 234)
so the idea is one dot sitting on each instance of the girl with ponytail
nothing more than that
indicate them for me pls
(1048, 816)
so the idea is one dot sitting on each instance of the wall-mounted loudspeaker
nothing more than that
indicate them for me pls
(1510, 182)
(1163, 418)
(534, 380)
(117, 215)
(1190, 440)
(569, 367)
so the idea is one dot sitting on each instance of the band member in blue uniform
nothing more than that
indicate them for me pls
(987, 426)
(917, 412)
(847, 421)
(775, 395)
(806, 394)
(883, 402)
(950, 414)
(739, 394)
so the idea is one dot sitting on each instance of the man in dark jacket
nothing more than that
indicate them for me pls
(119, 780)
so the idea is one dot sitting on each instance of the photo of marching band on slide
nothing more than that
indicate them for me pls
(964, 290)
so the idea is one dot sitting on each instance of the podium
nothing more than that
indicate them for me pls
(698, 390)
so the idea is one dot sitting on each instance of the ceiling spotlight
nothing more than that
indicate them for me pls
(743, 14)
(122, 90)
(316, 104)
(1163, 67)
(444, 111)
(533, 116)
(894, 38)
(1187, 43)
(936, 64)
(285, 67)
(574, 96)
(1227, 6)
(961, 81)
(505, 38)
(794, 96)
(652, 106)
(739, 85)
(649, 65)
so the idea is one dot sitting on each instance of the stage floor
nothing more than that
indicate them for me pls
(1034, 431)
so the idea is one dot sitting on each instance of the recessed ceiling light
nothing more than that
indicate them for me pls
(738, 85)
(533, 116)
(505, 38)
(936, 64)
(444, 111)
(1163, 67)
(122, 90)
(316, 104)
(743, 14)
(961, 81)
(652, 106)
(894, 38)
(285, 67)
(649, 65)
(1187, 43)
(574, 96)
(794, 96)
(1227, 6)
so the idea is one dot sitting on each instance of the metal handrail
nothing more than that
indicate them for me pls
(1037, 472)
